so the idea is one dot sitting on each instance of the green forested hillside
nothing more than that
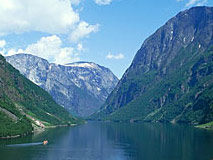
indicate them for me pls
(171, 76)
(22, 103)
(177, 97)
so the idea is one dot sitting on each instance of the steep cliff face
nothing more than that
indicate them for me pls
(24, 105)
(80, 87)
(170, 78)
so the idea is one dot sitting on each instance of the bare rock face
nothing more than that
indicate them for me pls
(80, 87)
(170, 78)
(25, 107)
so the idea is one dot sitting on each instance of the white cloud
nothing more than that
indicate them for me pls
(115, 56)
(75, 2)
(50, 16)
(103, 2)
(80, 47)
(83, 30)
(47, 16)
(12, 52)
(202, 3)
(2, 43)
(191, 3)
(50, 48)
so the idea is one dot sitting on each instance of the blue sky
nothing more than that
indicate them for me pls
(107, 32)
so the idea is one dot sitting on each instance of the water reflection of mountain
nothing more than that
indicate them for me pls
(86, 142)
(115, 141)
(162, 141)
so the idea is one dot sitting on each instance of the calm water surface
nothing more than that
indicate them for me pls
(114, 141)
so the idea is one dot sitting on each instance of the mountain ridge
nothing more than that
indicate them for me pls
(81, 87)
(182, 48)
(24, 106)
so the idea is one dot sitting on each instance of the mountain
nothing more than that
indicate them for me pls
(80, 87)
(25, 106)
(171, 76)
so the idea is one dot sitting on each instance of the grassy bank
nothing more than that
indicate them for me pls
(206, 126)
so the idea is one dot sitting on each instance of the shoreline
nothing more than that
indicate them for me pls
(10, 137)
(60, 125)
(208, 126)
(37, 131)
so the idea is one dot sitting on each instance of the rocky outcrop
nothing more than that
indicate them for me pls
(80, 87)
(24, 104)
(170, 78)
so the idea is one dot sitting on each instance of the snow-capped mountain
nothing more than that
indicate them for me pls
(80, 87)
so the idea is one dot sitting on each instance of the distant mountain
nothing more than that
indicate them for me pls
(171, 76)
(80, 87)
(24, 106)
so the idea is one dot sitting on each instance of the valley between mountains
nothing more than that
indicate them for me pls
(169, 80)
(80, 87)
(171, 76)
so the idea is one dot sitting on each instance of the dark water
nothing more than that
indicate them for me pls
(114, 141)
